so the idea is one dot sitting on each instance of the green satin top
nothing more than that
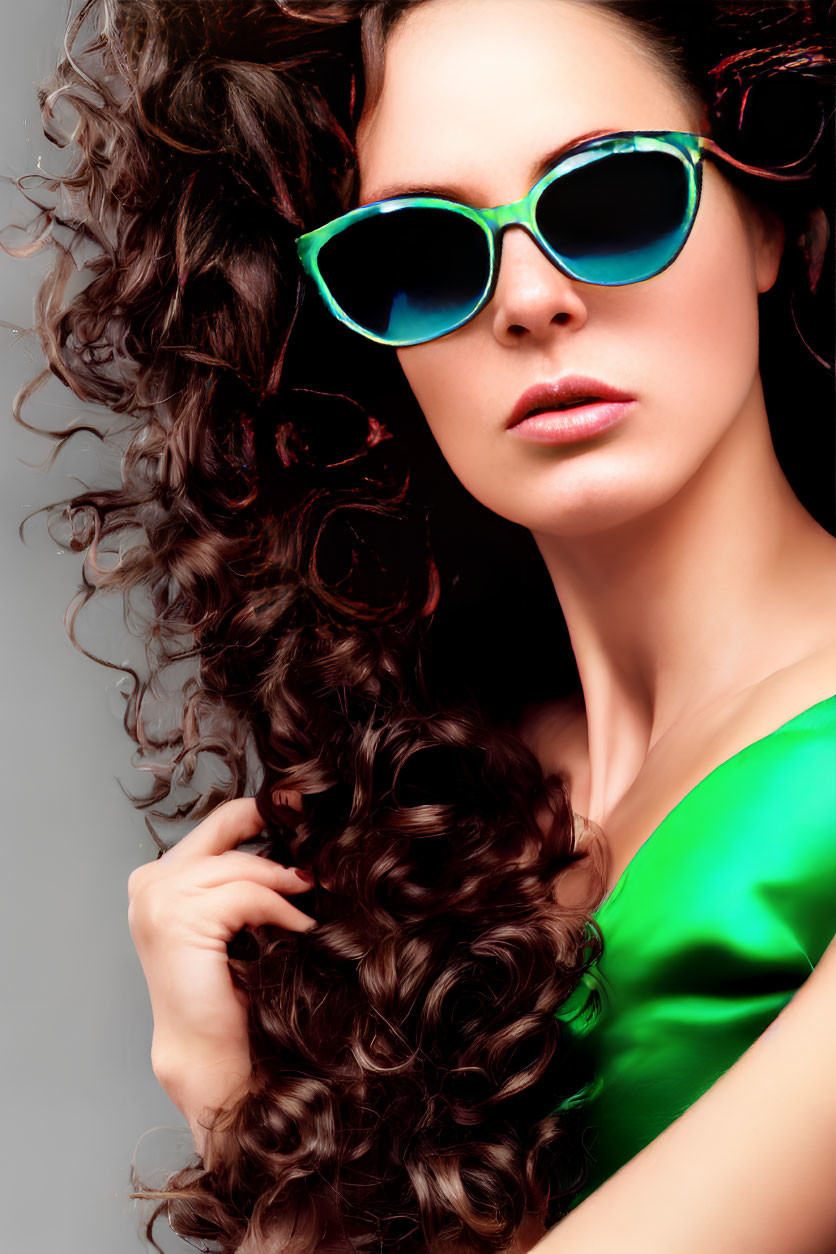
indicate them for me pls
(714, 924)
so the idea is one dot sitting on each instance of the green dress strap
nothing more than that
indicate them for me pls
(717, 920)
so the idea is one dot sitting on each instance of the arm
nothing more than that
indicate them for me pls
(749, 1167)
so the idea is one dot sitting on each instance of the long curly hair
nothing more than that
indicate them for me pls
(287, 526)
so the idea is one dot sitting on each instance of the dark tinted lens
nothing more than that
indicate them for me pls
(618, 219)
(407, 274)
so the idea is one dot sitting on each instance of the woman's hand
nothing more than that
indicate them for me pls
(182, 911)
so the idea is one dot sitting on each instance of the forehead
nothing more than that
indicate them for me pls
(475, 92)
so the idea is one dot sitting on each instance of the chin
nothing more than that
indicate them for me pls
(588, 513)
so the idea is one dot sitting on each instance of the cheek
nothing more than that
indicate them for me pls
(706, 315)
(686, 342)
(466, 395)
(458, 385)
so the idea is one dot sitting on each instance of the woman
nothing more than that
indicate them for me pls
(639, 508)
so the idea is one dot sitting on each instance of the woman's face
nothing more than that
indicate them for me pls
(476, 93)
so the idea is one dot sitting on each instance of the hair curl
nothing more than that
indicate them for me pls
(297, 548)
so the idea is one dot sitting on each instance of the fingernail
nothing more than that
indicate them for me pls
(304, 875)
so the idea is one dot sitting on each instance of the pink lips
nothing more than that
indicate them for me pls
(539, 415)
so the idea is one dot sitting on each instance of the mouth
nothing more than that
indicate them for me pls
(576, 404)
(573, 392)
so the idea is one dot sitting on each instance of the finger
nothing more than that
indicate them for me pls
(237, 865)
(227, 826)
(239, 905)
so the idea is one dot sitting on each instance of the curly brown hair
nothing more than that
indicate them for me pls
(329, 578)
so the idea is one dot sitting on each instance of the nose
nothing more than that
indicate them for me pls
(532, 297)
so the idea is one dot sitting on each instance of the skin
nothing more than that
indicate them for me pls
(183, 909)
(671, 539)
(735, 1173)
(770, 1193)
(676, 520)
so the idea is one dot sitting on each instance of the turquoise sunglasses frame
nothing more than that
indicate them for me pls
(688, 148)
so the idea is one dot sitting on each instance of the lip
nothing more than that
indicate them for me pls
(551, 425)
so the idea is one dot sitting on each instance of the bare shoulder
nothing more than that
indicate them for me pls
(791, 689)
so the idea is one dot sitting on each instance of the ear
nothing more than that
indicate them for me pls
(768, 240)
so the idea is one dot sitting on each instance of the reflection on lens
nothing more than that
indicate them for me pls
(407, 274)
(619, 219)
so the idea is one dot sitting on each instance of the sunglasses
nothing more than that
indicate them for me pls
(612, 210)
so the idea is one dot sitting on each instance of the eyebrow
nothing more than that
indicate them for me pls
(451, 191)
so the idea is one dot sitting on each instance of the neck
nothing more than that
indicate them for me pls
(687, 605)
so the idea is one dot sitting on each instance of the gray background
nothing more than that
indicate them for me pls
(80, 1099)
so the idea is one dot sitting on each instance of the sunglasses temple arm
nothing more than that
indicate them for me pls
(777, 172)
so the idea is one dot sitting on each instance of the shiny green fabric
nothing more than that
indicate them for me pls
(715, 923)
